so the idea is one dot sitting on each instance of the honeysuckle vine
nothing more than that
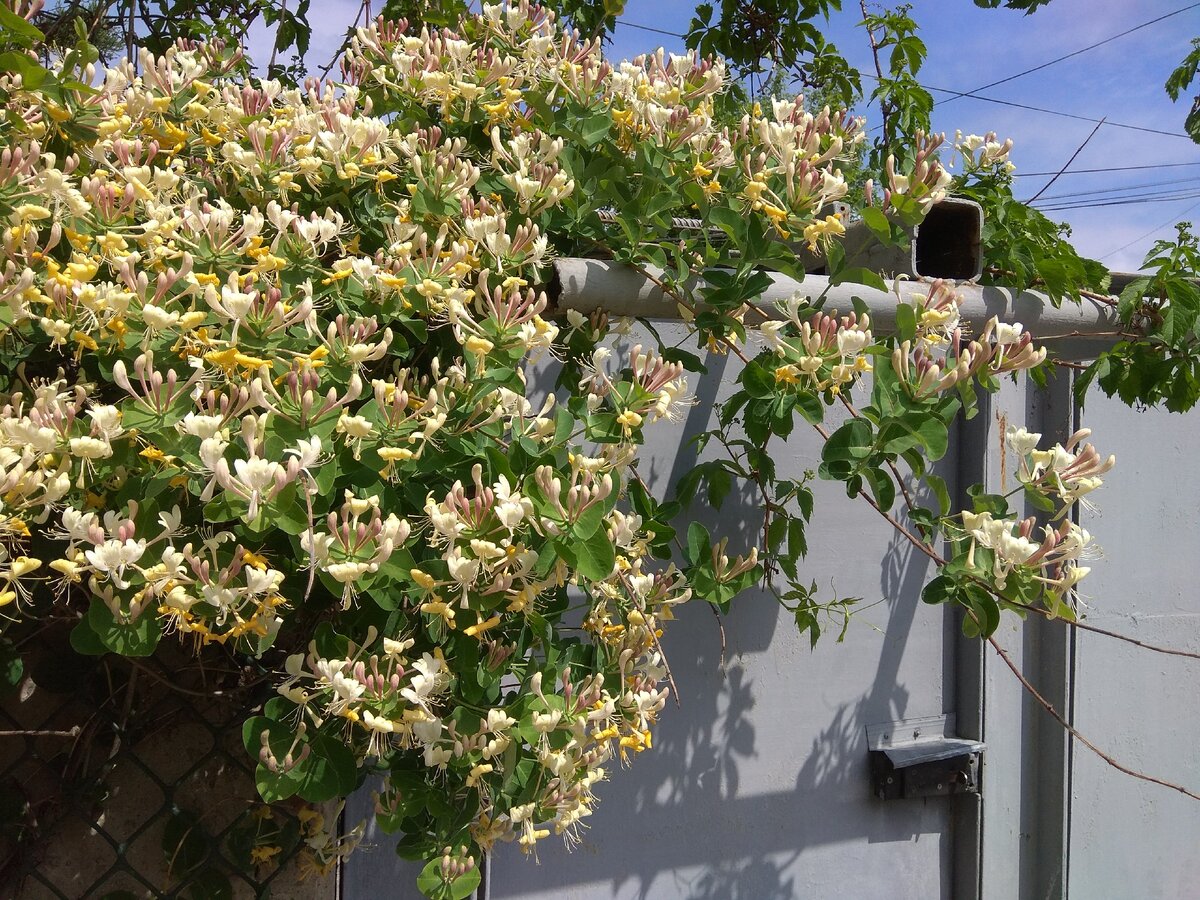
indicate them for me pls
(269, 358)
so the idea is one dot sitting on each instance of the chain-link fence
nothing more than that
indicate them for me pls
(124, 779)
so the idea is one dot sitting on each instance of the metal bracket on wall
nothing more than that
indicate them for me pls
(922, 758)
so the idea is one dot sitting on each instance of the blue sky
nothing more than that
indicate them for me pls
(970, 47)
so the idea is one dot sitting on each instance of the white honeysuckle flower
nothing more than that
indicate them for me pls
(1022, 441)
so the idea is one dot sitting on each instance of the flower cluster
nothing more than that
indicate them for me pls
(818, 351)
(1001, 348)
(268, 356)
(981, 154)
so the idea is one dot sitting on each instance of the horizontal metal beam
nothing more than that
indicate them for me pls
(585, 285)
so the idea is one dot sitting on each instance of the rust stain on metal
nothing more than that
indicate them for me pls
(1002, 425)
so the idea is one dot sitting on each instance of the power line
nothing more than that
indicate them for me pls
(1175, 218)
(1041, 109)
(1054, 112)
(1106, 169)
(648, 28)
(1080, 51)
(1067, 164)
(1122, 188)
(1151, 197)
(1127, 201)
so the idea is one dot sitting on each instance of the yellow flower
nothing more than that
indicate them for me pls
(480, 346)
(261, 855)
(154, 454)
(830, 226)
(254, 560)
(482, 627)
(788, 374)
(231, 358)
(439, 608)
(629, 420)
(29, 212)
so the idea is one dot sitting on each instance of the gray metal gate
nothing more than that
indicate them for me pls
(758, 784)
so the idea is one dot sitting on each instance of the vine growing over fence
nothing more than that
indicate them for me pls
(268, 360)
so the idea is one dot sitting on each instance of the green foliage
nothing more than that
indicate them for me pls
(1179, 80)
(287, 342)
(1160, 360)
(773, 34)
(905, 105)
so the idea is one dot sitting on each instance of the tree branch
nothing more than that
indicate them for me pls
(1049, 707)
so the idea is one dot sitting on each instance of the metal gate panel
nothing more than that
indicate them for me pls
(757, 784)
(1130, 838)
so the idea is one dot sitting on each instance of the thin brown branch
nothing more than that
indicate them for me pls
(1087, 334)
(275, 46)
(178, 688)
(70, 733)
(130, 34)
(1095, 629)
(1074, 732)
(1102, 298)
(365, 6)
(883, 106)
(690, 307)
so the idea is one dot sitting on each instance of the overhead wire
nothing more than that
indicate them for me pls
(1107, 169)
(1121, 201)
(972, 95)
(1116, 190)
(1141, 237)
(1081, 50)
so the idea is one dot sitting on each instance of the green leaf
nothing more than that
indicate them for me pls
(136, 638)
(882, 487)
(595, 556)
(85, 641)
(33, 74)
(938, 486)
(851, 442)
(431, 883)
(12, 667)
(325, 771)
(758, 381)
(18, 26)
(906, 323)
(699, 544)
(940, 590)
(588, 523)
(595, 128)
(875, 220)
(859, 275)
